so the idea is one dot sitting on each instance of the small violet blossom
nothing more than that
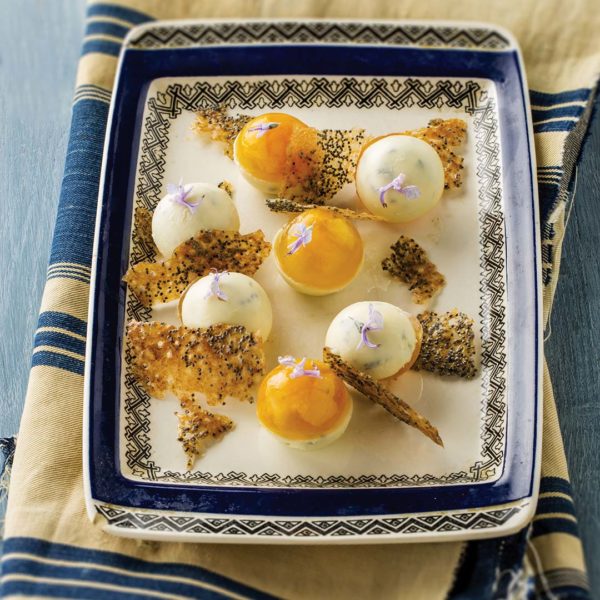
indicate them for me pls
(412, 192)
(215, 290)
(375, 323)
(303, 235)
(179, 194)
(263, 128)
(298, 367)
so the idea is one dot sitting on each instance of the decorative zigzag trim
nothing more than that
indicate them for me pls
(310, 32)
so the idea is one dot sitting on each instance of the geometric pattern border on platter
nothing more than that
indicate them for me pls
(398, 93)
(324, 32)
(125, 518)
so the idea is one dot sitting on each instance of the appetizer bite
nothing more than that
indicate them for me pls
(188, 209)
(318, 252)
(303, 403)
(399, 177)
(230, 298)
(376, 338)
(262, 150)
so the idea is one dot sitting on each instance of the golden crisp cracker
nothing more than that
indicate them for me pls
(379, 394)
(219, 361)
(155, 283)
(216, 123)
(290, 206)
(445, 135)
(409, 263)
(448, 345)
(320, 163)
(199, 428)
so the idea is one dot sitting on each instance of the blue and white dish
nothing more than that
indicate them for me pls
(382, 481)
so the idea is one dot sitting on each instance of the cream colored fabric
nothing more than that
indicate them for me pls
(561, 51)
(559, 41)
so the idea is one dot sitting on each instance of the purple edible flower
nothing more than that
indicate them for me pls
(298, 367)
(215, 290)
(263, 128)
(303, 235)
(410, 191)
(179, 194)
(375, 323)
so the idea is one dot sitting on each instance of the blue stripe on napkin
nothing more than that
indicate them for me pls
(37, 567)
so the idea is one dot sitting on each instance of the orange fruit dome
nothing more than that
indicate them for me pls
(304, 408)
(330, 258)
(261, 147)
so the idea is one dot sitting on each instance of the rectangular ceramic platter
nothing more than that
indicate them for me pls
(465, 236)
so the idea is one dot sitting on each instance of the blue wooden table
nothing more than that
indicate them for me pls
(37, 75)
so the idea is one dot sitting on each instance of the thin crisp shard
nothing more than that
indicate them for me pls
(379, 394)
(445, 135)
(143, 241)
(290, 206)
(220, 361)
(320, 163)
(448, 345)
(409, 263)
(199, 428)
(221, 127)
(155, 283)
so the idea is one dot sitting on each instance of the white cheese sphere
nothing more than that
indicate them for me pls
(173, 223)
(398, 341)
(244, 302)
(411, 159)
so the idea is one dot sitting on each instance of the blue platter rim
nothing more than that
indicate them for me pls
(103, 358)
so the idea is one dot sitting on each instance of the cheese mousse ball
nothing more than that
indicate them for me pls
(399, 177)
(318, 252)
(188, 209)
(261, 150)
(376, 338)
(229, 298)
(303, 403)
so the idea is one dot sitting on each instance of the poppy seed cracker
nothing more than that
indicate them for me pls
(409, 263)
(448, 345)
(290, 206)
(219, 361)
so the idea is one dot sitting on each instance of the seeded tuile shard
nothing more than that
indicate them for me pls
(160, 282)
(199, 429)
(445, 135)
(220, 361)
(409, 263)
(282, 205)
(216, 123)
(320, 163)
(379, 394)
(448, 345)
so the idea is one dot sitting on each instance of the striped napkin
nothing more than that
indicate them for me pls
(50, 547)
